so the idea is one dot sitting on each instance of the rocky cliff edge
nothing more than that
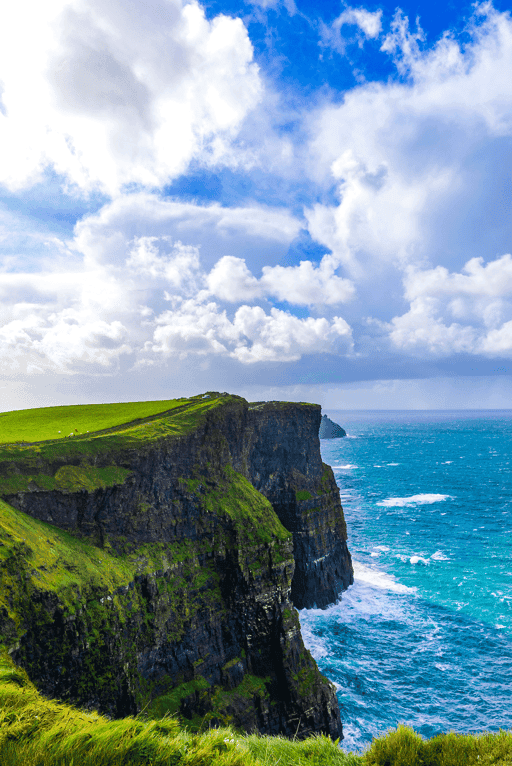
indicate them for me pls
(158, 565)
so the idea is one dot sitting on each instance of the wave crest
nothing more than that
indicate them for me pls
(423, 499)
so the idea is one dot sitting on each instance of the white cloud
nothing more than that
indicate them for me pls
(230, 280)
(307, 284)
(133, 299)
(254, 230)
(467, 312)
(421, 329)
(170, 264)
(194, 327)
(370, 24)
(410, 159)
(109, 93)
(59, 341)
(491, 280)
(303, 285)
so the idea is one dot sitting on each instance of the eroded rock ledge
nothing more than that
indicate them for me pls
(229, 524)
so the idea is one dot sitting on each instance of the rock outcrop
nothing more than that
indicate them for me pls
(212, 523)
(330, 430)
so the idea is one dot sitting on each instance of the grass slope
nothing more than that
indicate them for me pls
(42, 732)
(59, 422)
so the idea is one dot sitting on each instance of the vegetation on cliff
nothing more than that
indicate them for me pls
(145, 563)
(42, 732)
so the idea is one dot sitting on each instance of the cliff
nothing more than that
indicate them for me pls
(330, 430)
(158, 564)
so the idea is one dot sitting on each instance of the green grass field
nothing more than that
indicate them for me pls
(39, 437)
(42, 732)
(58, 422)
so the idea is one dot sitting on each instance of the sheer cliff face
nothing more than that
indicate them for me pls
(284, 464)
(226, 528)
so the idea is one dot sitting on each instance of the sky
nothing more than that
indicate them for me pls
(282, 199)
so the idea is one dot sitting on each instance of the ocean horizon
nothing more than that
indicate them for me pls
(424, 635)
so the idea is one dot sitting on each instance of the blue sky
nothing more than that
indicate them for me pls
(277, 198)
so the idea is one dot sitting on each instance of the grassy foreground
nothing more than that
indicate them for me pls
(42, 732)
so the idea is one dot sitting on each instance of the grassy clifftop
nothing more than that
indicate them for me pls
(69, 440)
(56, 423)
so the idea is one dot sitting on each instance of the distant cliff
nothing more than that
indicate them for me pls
(330, 430)
(194, 534)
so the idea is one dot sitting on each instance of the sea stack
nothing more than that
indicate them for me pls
(330, 430)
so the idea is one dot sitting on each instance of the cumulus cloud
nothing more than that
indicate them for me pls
(410, 158)
(169, 264)
(60, 341)
(468, 311)
(194, 327)
(137, 299)
(304, 285)
(231, 280)
(258, 231)
(108, 93)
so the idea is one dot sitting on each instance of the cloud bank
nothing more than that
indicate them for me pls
(392, 241)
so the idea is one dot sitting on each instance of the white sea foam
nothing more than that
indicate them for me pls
(381, 548)
(423, 499)
(317, 645)
(378, 579)
(448, 462)
(418, 560)
(392, 463)
(343, 467)
(439, 556)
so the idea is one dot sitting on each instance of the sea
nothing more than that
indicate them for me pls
(424, 635)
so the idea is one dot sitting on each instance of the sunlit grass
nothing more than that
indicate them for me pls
(58, 422)
(42, 732)
(57, 448)
(404, 747)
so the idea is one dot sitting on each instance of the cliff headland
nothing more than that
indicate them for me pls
(157, 562)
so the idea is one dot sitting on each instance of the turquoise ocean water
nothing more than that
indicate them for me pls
(424, 636)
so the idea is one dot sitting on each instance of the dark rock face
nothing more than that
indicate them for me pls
(304, 495)
(330, 430)
(218, 627)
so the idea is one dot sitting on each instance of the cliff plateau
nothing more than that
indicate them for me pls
(157, 565)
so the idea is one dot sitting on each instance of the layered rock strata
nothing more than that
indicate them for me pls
(227, 525)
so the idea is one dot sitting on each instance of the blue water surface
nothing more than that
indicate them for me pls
(424, 636)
